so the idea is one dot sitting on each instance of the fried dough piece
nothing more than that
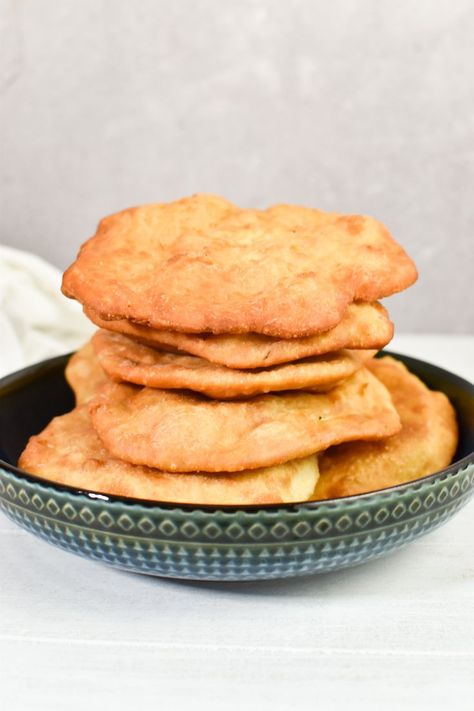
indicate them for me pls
(69, 452)
(84, 373)
(426, 443)
(123, 359)
(201, 264)
(363, 326)
(182, 431)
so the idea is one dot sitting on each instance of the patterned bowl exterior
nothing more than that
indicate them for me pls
(231, 543)
(235, 545)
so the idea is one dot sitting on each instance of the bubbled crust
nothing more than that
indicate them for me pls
(201, 264)
(182, 431)
(124, 359)
(363, 326)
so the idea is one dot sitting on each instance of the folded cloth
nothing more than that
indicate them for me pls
(36, 320)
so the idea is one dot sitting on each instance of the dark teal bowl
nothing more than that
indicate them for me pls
(225, 543)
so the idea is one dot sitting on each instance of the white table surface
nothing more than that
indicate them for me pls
(397, 633)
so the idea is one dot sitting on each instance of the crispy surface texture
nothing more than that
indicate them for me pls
(123, 359)
(69, 452)
(182, 431)
(363, 326)
(201, 264)
(426, 443)
(84, 373)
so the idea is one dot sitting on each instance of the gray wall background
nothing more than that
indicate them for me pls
(351, 105)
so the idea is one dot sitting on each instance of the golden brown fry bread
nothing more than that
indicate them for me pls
(182, 431)
(123, 359)
(69, 452)
(201, 264)
(363, 326)
(84, 373)
(425, 444)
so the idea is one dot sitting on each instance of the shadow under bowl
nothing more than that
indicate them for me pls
(221, 543)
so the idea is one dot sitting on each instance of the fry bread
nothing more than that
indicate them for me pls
(69, 452)
(426, 443)
(124, 359)
(182, 431)
(84, 373)
(201, 264)
(363, 326)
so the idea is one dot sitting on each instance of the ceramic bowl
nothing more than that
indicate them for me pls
(225, 543)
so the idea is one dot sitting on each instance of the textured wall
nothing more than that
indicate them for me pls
(359, 106)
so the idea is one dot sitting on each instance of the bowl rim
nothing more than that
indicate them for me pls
(31, 372)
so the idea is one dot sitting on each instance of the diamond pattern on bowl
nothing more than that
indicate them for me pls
(236, 545)
(362, 519)
(86, 515)
(381, 515)
(257, 531)
(69, 511)
(146, 525)
(52, 507)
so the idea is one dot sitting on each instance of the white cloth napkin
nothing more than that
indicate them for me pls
(36, 320)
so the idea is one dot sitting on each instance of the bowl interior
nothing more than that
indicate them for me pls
(30, 398)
